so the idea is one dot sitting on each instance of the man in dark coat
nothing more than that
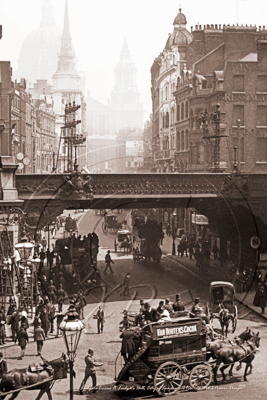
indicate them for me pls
(39, 337)
(178, 305)
(3, 366)
(14, 322)
(150, 314)
(127, 345)
(160, 308)
(100, 319)
(83, 303)
(126, 284)
(51, 292)
(22, 340)
(61, 296)
(44, 316)
(90, 370)
(51, 315)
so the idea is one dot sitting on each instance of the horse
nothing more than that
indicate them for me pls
(244, 353)
(214, 346)
(225, 317)
(39, 375)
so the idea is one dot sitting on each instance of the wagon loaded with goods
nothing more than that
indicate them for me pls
(165, 354)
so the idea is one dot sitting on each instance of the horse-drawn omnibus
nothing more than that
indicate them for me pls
(146, 246)
(165, 354)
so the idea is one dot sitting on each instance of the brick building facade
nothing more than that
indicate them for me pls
(221, 64)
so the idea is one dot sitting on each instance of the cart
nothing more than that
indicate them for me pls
(111, 223)
(223, 293)
(123, 241)
(166, 354)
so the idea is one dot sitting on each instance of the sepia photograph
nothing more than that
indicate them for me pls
(133, 199)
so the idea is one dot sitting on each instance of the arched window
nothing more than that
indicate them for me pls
(166, 93)
(182, 141)
(186, 140)
(186, 109)
(178, 141)
(182, 112)
(178, 113)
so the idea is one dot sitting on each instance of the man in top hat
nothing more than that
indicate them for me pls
(167, 306)
(178, 305)
(3, 366)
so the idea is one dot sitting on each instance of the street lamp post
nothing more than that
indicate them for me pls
(173, 232)
(72, 328)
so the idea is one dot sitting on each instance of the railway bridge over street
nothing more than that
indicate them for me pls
(236, 204)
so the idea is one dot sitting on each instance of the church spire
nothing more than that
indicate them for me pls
(47, 17)
(66, 28)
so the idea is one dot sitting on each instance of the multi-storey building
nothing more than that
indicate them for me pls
(46, 146)
(164, 73)
(214, 64)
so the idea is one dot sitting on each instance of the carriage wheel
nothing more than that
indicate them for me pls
(168, 378)
(234, 320)
(200, 377)
(104, 227)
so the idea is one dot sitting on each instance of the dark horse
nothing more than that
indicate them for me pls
(225, 317)
(244, 353)
(39, 375)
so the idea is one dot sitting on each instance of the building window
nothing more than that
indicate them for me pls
(262, 149)
(178, 141)
(261, 83)
(166, 93)
(182, 141)
(178, 113)
(238, 83)
(238, 113)
(261, 116)
(186, 109)
(167, 120)
(186, 140)
(182, 111)
(191, 122)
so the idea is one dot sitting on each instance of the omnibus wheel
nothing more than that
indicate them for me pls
(168, 378)
(200, 377)
(104, 227)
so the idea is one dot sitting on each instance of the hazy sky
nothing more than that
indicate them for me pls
(98, 28)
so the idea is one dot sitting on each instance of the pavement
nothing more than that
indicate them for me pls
(215, 272)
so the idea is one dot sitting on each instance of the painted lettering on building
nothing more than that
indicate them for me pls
(243, 97)
(180, 330)
(242, 66)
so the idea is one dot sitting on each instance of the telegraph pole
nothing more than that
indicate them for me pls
(71, 139)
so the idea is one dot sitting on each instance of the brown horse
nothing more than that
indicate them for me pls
(214, 346)
(39, 375)
(244, 353)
